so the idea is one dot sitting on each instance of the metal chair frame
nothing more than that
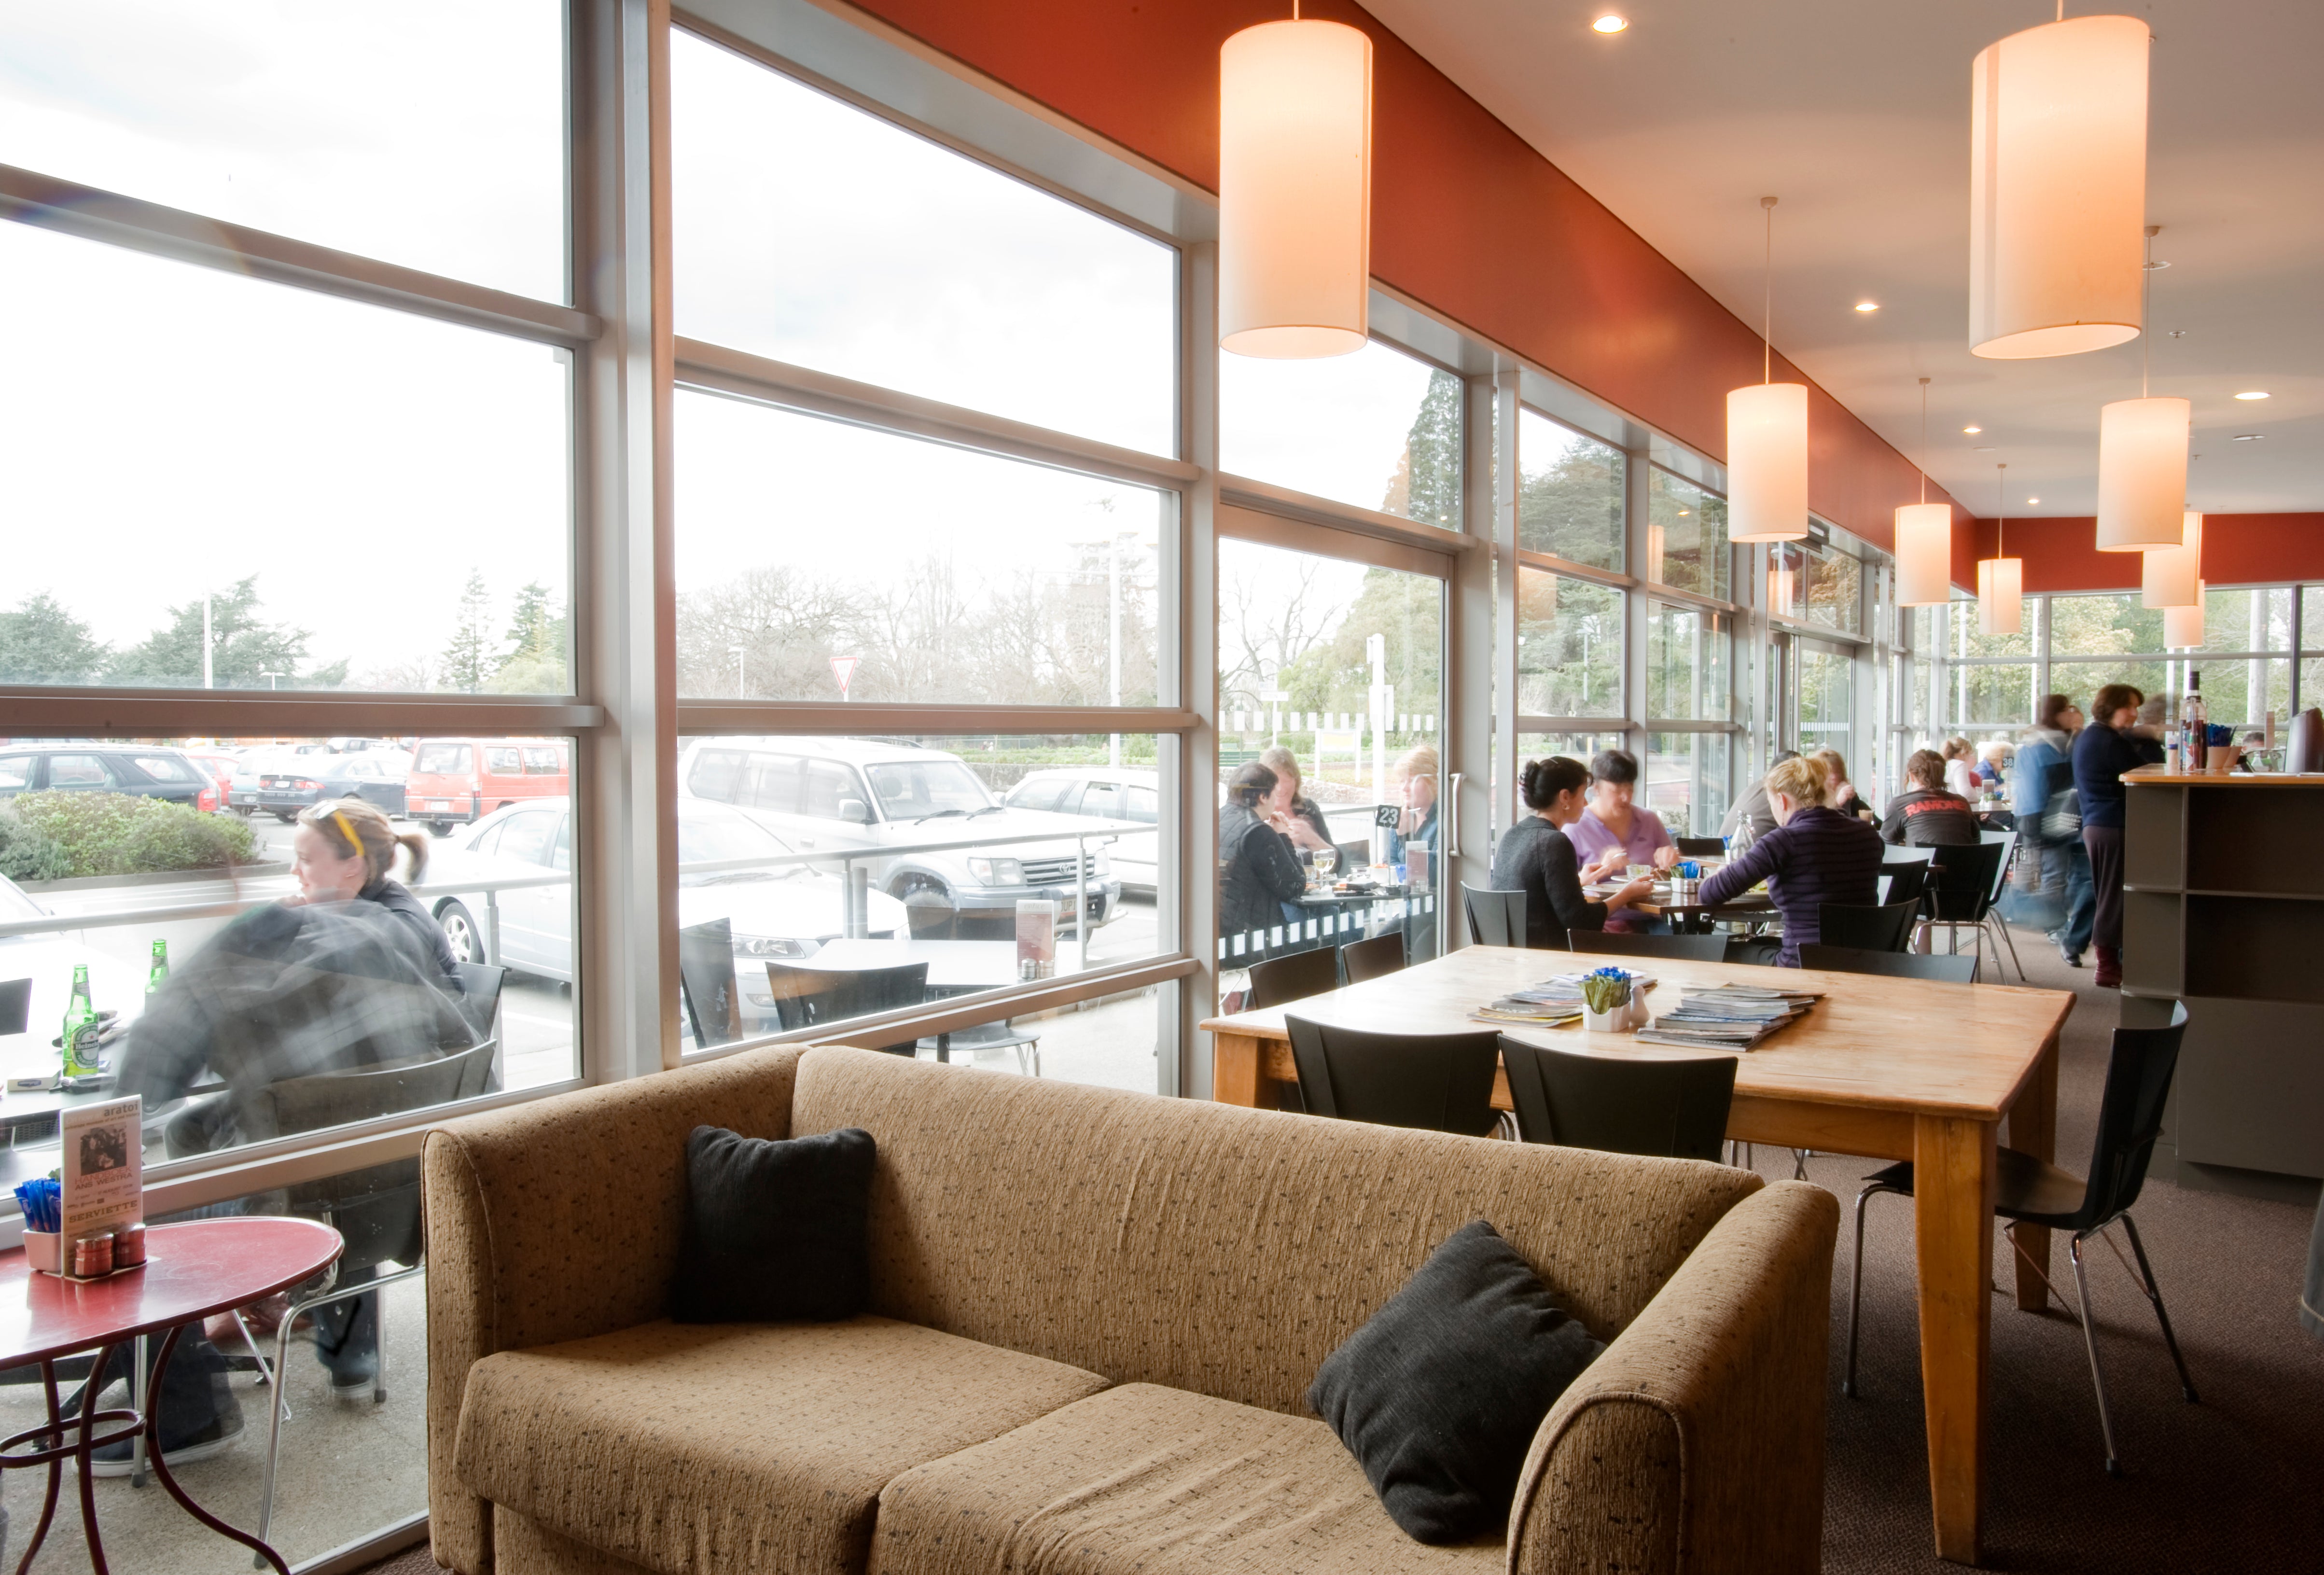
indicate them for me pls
(1975, 922)
(1993, 919)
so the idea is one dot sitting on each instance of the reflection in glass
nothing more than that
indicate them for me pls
(1107, 1042)
(959, 576)
(1571, 494)
(1686, 781)
(1835, 589)
(1569, 645)
(1687, 650)
(1686, 541)
(810, 232)
(2088, 626)
(1827, 700)
(1379, 429)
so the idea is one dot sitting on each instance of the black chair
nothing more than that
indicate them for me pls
(1374, 959)
(1886, 929)
(1961, 888)
(815, 997)
(15, 1005)
(1496, 918)
(481, 1004)
(1895, 964)
(1908, 880)
(706, 983)
(1616, 943)
(1702, 847)
(2032, 1192)
(2007, 842)
(1294, 976)
(1441, 1082)
(1676, 1110)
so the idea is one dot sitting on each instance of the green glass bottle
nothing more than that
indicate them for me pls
(158, 974)
(78, 1040)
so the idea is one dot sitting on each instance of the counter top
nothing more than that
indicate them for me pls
(2147, 776)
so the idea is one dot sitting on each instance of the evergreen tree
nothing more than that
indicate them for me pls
(467, 660)
(1427, 486)
(535, 629)
(1573, 507)
(244, 647)
(42, 643)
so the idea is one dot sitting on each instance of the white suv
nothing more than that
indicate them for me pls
(829, 795)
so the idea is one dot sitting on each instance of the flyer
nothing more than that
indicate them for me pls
(103, 1178)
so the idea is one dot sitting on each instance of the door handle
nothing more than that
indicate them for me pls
(1452, 821)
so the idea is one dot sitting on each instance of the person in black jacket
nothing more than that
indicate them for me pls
(2102, 753)
(1928, 813)
(1535, 856)
(343, 852)
(1258, 871)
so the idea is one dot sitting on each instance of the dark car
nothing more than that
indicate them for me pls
(144, 771)
(288, 786)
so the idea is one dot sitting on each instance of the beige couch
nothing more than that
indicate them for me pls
(1095, 1318)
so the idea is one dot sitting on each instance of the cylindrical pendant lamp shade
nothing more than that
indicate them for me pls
(1767, 462)
(1295, 189)
(2182, 627)
(2169, 576)
(2001, 595)
(2058, 189)
(2142, 474)
(1924, 555)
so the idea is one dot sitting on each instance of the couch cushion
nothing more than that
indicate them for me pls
(739, 1446)
(774, 1227)
(1157, 1481)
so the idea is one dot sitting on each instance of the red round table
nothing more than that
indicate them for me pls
(191, 1271)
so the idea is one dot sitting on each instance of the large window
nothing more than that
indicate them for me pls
(1570, 649)
(1572, 493)
(1379, 429)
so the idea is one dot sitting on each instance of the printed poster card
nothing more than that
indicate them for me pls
(103, 1178)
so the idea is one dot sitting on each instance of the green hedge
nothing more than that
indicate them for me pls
(28, 853)
(121, 833)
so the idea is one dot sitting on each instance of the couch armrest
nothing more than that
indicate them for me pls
(1696, 1442)
(557, 1220)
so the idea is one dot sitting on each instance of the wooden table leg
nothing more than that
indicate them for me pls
(2034, 1129)
(1237, 1071)
(1952, 1211)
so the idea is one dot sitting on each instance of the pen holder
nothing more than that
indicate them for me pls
(41, 1251)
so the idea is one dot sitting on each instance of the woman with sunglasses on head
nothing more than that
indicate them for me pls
(342, 853)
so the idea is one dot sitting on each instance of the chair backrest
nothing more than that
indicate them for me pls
(809, 998)
(15, 1005)
(1294, 976)
(1908, 880)
(1617, 943)
(1443, 1082)
(1700, 847)
(1353, 855)
(1886, 929)
(2007, 841)
(481, 983)
(1676, 1110)
(1961, 880)
(364, 1093)
(1496, 918)
(706, 980)
(1374, 959)
(2130, 1117)
(1945, 970)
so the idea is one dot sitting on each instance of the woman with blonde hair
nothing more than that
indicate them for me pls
(1815, 855)
(1842, 792)
(1961, 771)
(344, 851)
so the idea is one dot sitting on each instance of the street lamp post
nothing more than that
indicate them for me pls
(269, 677)
(741, 689)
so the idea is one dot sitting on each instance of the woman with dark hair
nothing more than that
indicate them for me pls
(1536, 857)
(1258, 871)
(1614, 833)
(2103, 752)
(1928, 813)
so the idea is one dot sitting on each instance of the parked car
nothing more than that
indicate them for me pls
(375, 776)
(828, 795)
(1102, 793)
(456, 781)
(782, 912)
(144, 771)
(221, 769)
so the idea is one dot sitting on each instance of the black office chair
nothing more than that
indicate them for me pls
(1294, 976)
(1617, 943)
(1886, 929)
(2032, 1192)
(706, 983)
(1908, 879)
(1374, 959)
(1496, 918)
(1700, 847)
(1961, 889)
(815, 997)
(2008, 843)
(1895, 964)
(1676, 1110)
(1441, 1082)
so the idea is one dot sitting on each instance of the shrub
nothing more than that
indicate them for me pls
(29, 853)
(121, 833)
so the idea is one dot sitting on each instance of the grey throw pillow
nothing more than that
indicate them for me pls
(1439, 1394)
(775, 1228)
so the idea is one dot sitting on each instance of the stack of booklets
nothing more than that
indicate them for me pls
(1554, 1003)
(1732, 1017)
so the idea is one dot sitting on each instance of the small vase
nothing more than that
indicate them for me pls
(1614, 1020)
(1639, 1016)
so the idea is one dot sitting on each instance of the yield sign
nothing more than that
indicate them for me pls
(843, 669)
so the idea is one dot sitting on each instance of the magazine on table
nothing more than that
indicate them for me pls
(1730, 1017)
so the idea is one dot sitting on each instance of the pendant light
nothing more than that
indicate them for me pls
(2169, 575)
(2057, 188)
(1924, 540)
(1295, 189)
(2000, 581)
(1767, 438)
(2182, 627)
(2143, 466)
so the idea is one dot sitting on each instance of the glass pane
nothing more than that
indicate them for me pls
(2101, 626)
(2081, 681)
(810, 232)
(1109, 1043)
(1571, 494)
(1686, 781)
(1826, 699)
(1835, 590)
(1687, 652)
(1687, 535)
(2240, 693)
(2311, 620)
(429, 134)
(1569, 646)
(364, 499)
(2248, 619)
(959, 576)
(1379, 429)
(1997, 697)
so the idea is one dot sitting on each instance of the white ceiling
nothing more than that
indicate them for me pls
(1856, 115)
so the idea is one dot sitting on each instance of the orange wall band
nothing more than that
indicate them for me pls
(2061, 554)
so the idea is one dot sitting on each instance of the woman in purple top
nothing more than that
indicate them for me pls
(1815, 855)
(1614, 832)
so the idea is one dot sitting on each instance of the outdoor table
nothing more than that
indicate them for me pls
(191, 1271)
(955, 967)
(1887, 1068)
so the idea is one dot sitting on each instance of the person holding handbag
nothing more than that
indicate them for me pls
(2050, 820)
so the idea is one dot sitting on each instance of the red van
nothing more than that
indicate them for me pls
(456, 780)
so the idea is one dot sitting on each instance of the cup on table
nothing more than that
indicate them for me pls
(1639, 872)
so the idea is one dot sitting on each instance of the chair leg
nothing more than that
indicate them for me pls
(2001, 928)
(2090, 1343)
(1856, 1287)
(1800, 1163)
(2154, 1295)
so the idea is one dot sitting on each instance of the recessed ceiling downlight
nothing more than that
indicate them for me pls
(2247, 436)
(2252, 393)
(1609, 23)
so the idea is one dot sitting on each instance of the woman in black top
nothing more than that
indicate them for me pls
(1258, 871)
(2106, 749)
(1535, 857)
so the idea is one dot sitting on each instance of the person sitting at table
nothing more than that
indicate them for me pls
(1844, 796)
(1614, 833)
(1291, 812)
(1928, 813)
(1258, 871)
(1535, 856)
(2103, 752)
(1815, 855)
(1961, 771)
(1415, 778)
(1751, 811)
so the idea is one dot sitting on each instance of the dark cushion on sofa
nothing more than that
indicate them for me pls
(1438, 1396)
(775, 1228)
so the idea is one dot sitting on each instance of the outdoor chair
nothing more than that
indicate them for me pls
(1443, 1082)
(1672, 1109)
(814, 998)
(1496, 918)
(481, 1005)
(1373, 959)
(706, 983)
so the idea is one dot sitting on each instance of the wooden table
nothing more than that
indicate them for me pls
(1889, 1068)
